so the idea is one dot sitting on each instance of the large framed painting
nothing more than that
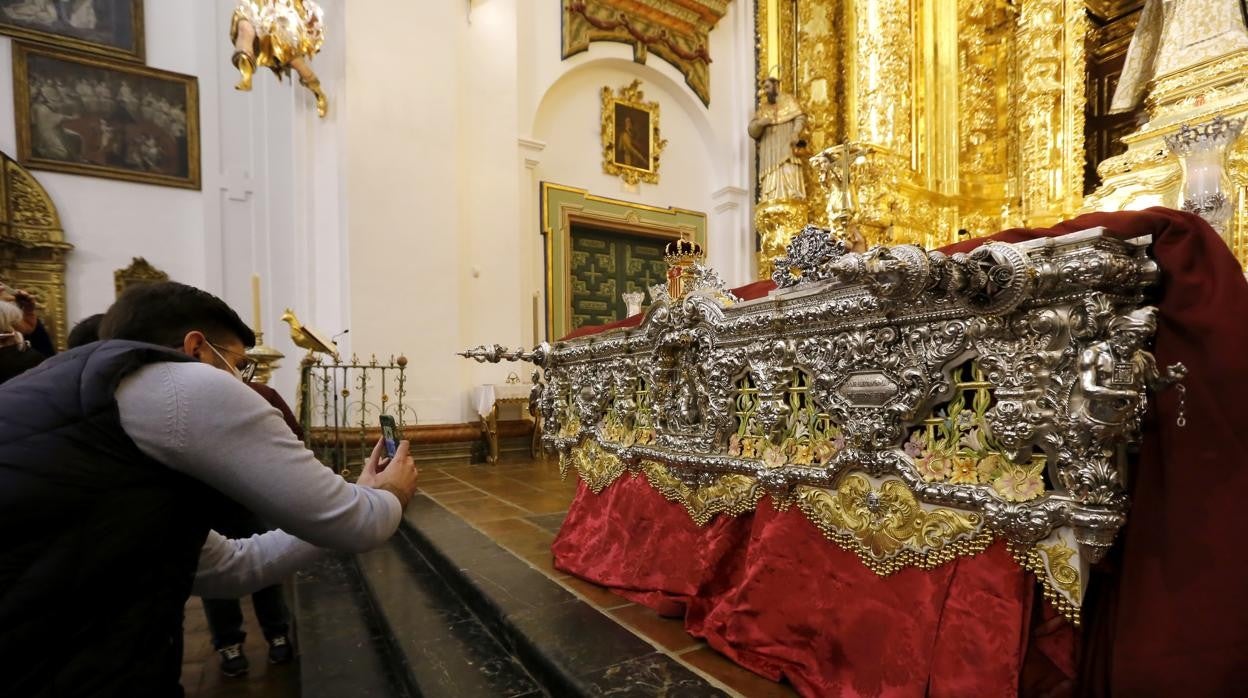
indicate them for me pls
(630, 135)
(112, 28)
(598, 249)
(97, 117)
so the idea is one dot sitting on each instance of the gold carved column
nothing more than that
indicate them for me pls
(1050, 108)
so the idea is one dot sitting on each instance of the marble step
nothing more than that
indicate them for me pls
(567, 646)
(441, 648)
(341, 641)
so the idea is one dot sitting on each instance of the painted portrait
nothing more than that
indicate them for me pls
(112, 28)
(630, 135)
(101, 118)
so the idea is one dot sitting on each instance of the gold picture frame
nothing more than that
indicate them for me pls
(114, 30)
(631, 145)
(139, 124)
(563, 207)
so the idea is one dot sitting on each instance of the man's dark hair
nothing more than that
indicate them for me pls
(85, 332)
(162, 313)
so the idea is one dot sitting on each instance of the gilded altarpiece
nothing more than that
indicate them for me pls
(971, 112)
(32, 245)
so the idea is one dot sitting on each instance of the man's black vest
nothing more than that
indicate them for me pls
(98, 542)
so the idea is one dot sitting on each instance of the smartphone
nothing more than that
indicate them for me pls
(389, 434)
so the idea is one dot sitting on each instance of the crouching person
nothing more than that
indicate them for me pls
(113, 456)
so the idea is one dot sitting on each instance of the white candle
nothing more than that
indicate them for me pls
(255, 301)
(536, 336)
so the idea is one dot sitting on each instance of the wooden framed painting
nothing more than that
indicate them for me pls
(112, 28)
(101, 118)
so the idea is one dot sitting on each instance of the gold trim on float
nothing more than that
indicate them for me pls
(1063, 593)
(732, 495)
(596, 466)
(887, 528)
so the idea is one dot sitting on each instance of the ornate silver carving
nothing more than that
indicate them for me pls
(807, 257)
(856, 354)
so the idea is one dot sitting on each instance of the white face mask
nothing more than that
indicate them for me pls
(234, 370)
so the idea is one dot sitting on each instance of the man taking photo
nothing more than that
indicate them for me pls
(113, 457)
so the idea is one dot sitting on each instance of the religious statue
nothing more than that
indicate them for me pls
(687, 414)
(778, 126)
(632, 302)
(1177, 34)
(279, 35)
(835, 169)
(1113, 371)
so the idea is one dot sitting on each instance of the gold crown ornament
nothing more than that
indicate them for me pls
(681, 256)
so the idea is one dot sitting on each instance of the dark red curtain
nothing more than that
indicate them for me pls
(1163, 615)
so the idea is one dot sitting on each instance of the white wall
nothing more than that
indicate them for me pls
(403, 175)
(268, 204)
(455, 113)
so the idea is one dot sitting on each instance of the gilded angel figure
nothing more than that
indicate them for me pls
(279, 35)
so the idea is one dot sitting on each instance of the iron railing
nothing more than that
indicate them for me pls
(340, 403)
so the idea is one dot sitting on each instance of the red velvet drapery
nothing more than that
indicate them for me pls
(1164, 615)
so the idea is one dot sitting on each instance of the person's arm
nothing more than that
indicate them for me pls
(41, 341)
(203, 422)
(274, 398)
(233, 567)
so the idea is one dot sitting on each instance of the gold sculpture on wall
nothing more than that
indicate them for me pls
(280, 35)
(32, 245)
(963, 115)
(138, 273)
(677, 32)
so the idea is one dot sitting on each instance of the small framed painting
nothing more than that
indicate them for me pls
(630, 135)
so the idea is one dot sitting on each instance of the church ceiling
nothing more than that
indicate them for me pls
(674, 30)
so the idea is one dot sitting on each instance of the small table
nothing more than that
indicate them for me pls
(487, 398)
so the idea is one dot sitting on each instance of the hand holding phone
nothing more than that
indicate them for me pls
(396, 474)
(389, 434)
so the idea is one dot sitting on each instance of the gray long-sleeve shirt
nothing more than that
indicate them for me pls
(203, 422)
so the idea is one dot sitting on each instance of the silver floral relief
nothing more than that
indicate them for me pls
(1004, 382)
